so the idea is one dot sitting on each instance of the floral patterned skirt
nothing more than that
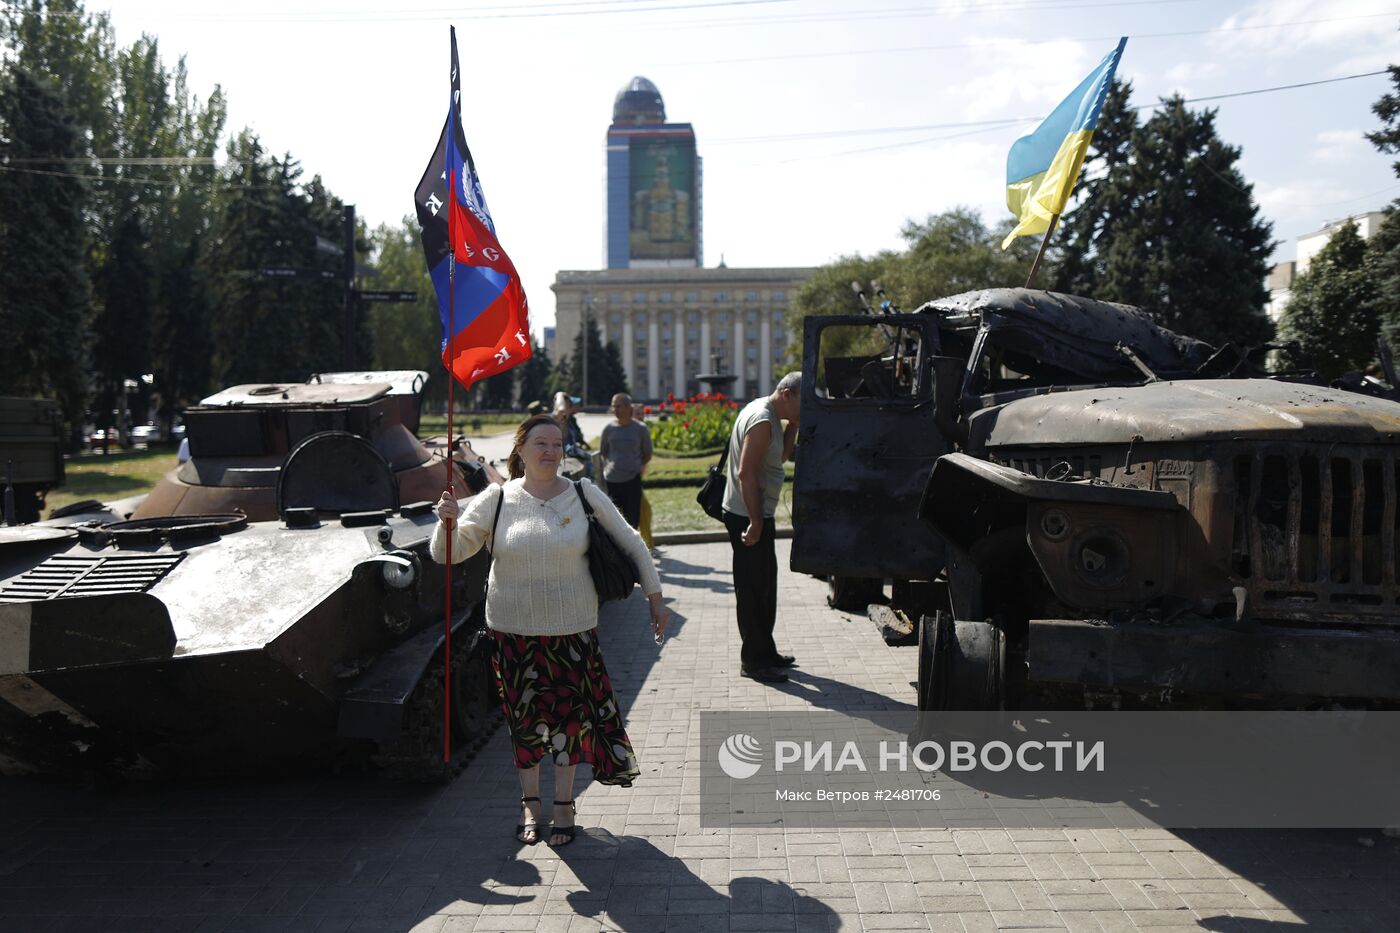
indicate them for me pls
(559, 704)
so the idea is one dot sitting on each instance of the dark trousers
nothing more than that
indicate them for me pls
(627, 496)
(755, 590)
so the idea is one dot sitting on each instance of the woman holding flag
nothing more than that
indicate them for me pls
(542, 613)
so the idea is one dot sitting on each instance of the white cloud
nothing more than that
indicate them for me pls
(1337, 146)
(1007, 86)
(1180, 78)
(1352, 25)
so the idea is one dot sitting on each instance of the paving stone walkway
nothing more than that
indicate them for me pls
(357, 854)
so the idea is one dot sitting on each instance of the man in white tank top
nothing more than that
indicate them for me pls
(758, 447)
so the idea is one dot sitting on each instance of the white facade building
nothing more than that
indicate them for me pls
(671, 324)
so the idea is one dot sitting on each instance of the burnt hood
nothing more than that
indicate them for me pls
(1189, 410)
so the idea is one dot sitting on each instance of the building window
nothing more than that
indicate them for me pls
(753, 317)
(721, 296)
(616, 320)
(692, 296)
(692, 317)
(639, 298)
(722, 317)
(615, 298)
(778, 295)
(752, 354)
(666, 297)
(750, 296)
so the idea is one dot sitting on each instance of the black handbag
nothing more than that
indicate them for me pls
(711, 494)
(612, 570)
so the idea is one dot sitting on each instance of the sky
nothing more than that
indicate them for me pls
(824, 126)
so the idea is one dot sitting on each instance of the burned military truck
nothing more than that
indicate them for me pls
(290, 618)
(31, 455)
(1077, 506)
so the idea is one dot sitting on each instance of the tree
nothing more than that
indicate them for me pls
(273, 329)
(1084, 229)
(1332, 311)
(45, 300)
(1384, 246)
(606, 375)
(532, 383)
(1387, 138)
(406, 335)
(946, 254)
(1188, 246)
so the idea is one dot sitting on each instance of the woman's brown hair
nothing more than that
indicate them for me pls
(515, 465)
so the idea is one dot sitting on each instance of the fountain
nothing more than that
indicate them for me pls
(719, 380)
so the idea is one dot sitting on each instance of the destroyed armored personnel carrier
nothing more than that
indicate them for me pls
(271, 605)
(1076, 506)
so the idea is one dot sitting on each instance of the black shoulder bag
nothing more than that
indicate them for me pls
(612, 570)
(711, 494)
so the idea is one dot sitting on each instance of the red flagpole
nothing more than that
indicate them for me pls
(451, 473)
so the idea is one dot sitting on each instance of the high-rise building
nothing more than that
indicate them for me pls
(654, 175)
(670, 318)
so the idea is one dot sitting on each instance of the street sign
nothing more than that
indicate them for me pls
(275, 273)
(385, 296)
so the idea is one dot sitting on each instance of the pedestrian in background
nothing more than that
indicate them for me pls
(758, 447)
(542, 614)
(626, 450)
(639, 412)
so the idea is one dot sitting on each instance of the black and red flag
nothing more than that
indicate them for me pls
(485, 328)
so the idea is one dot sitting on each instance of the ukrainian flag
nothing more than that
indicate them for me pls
(1042, 167)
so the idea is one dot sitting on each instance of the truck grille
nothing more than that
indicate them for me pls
(83, 575)
(1315, 528)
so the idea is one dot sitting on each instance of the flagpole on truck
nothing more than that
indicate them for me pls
(1040, 253)
(1041, 168)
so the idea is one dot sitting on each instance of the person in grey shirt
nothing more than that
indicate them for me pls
(626, 449)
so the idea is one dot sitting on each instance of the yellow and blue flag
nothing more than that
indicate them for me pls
(1042, 168)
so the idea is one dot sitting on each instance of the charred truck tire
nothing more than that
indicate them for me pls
(962, 664)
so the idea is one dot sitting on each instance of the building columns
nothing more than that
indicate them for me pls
(765, 354)
(678, 353)
(653, 355)
(627, 348)
(704, 341)
(740, 387)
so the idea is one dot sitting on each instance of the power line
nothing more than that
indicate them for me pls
(990, 125)
(557, 10)
(957, 46)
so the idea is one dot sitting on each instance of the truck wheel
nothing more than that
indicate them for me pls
(853, 594)
(962, 664)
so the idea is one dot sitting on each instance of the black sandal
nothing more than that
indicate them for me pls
(566, 831)
(522, 828)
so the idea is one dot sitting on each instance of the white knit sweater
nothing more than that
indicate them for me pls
(539, 582)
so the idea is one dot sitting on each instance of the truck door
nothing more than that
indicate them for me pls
(867, 444)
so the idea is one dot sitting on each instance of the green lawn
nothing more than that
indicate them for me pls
(129, 474)
(674, 509)
(462, 423)
(115, 476)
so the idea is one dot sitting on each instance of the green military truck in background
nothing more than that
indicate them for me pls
(31, 455)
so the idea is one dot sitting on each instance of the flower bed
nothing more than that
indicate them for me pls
(699, 423)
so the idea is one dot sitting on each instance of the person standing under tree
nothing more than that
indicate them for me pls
(758, 447)
(626, 450)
